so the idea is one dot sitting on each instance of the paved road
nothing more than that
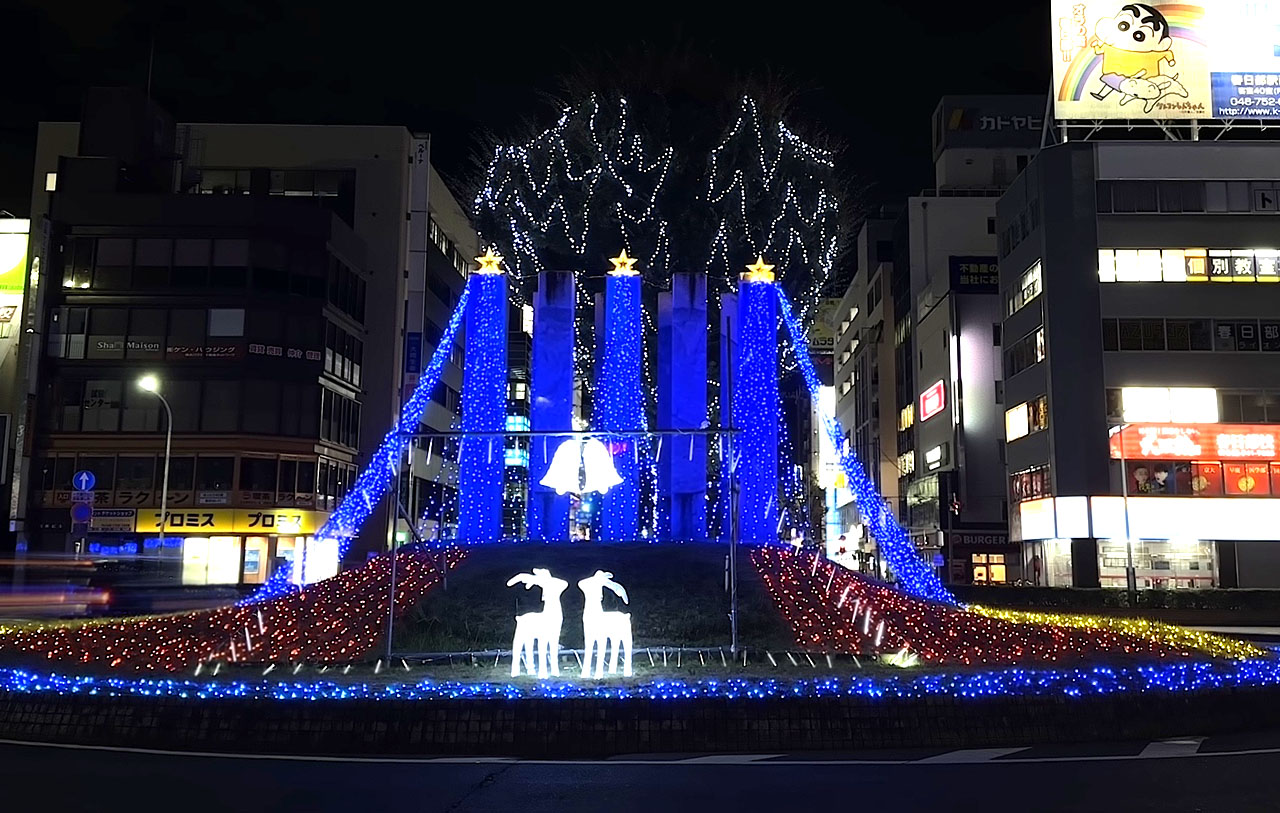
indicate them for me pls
(1236, 773)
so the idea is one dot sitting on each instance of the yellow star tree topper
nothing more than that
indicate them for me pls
(623, 266)
(490, 263)
(759, 272)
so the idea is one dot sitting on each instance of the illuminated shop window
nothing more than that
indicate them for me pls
(1188, 265)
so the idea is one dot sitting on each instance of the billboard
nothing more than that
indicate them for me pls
(826, 324)
(13, 255)
(1215, 59)
(987, 121)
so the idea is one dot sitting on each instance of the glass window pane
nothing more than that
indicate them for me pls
(103, 468)
(101, 406)
(214, 473)
(1130, 334)
(1201, 334)
(1152, 334)
(191, 253)
(226, 321)
(221, 407)
(1178, 332)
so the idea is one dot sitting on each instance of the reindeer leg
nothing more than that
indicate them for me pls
(613, 653)
(517, 653)
(626, 642)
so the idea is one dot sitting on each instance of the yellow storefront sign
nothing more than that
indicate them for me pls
(234, 521)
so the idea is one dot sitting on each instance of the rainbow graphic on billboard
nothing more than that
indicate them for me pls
(1216, 59)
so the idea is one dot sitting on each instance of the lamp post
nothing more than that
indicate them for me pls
(150, 383)
(1130, 574)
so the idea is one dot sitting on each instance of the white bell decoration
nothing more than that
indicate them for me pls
(581, 467)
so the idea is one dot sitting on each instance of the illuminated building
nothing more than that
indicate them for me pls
(917, 363)
(286, 283)
(1141, 326)
(13, 275)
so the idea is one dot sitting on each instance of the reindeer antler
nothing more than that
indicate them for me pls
(618, 589)
(527, 579)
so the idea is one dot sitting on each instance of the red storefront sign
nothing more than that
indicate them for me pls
(1196, 441)
(932, 401)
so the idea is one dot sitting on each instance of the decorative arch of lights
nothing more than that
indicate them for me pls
(606, 460)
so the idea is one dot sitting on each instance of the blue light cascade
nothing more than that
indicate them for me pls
(484, 410)
(914, 576)
(757, 412)
(1066, 682)
(619, 404)
(375, 480)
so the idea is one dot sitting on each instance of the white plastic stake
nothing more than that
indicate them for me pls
(843, 596)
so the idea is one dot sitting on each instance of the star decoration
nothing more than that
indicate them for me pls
(760, 272)
(623, 266)
(490, 263)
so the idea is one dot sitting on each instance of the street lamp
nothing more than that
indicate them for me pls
(1130, 573)
(150, 383)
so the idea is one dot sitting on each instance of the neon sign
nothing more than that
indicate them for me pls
(933, 400)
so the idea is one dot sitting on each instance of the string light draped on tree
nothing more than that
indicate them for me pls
(773, 195)
(589, 183)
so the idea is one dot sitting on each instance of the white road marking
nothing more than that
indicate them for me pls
(479, 760)
(970, 755)
(1180, 747)
(727, 759)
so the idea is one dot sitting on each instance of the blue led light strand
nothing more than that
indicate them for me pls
(620, 404)
(757, 412)
(914, 576)
(372, 483)
(1079, 682)
(481, 461)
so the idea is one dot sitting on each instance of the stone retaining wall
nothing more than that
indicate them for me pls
(595, 727)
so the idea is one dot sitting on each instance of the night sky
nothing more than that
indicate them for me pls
(870, 75)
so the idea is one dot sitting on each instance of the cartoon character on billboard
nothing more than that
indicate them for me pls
(1134, 44)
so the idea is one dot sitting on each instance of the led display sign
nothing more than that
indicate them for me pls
(1197, 441)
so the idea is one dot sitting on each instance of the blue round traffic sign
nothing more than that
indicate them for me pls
(81, 512)
(83, 480)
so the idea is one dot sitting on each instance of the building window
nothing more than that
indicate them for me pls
(220, 410)
(1189, 265)
(1026, 418)
(112, 269)
(1030, 484)
(1027, 289)
(215, 473)
(1025, 352)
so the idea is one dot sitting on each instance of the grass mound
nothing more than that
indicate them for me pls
(677, 598)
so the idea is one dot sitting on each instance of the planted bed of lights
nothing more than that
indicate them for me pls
(832, 609)
(338, 620)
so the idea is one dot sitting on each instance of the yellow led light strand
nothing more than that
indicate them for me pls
(1168, 634)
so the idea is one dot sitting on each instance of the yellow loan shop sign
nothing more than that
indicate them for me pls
(203, 521)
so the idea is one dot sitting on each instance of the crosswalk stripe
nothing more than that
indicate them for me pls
(971, 755)
(1180, 747)
(728, 759)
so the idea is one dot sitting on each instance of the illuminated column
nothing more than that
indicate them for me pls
(619, 401)
(756, 405)
(551, 399)
(682, 404)
(484, 406)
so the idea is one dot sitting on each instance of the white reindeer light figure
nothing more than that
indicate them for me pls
(540, 630)
(600, 628)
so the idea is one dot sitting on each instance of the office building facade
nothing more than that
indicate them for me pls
(1142, 400)
(286, 284)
